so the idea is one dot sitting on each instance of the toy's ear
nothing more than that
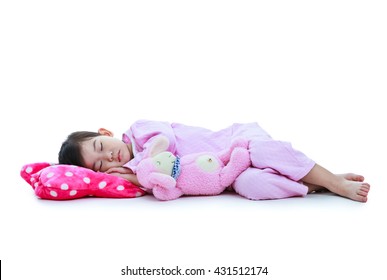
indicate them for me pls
(159, 144)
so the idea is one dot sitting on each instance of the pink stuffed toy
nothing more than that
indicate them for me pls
(170, 177)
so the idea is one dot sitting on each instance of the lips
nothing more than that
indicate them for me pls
(119, 156)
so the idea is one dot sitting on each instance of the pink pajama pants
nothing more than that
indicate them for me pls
(276, 169)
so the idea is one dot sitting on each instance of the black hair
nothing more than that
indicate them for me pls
(70, 151)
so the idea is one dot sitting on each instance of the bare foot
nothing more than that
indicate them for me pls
(352, 186)
(349, 185)
(349, 176)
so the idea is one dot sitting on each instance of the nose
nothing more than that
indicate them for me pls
(110, 156)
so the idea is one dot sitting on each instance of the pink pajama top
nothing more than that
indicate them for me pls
(184, 139)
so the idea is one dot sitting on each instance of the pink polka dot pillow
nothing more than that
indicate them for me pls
(61, 182)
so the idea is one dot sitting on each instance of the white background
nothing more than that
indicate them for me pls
(309, 72)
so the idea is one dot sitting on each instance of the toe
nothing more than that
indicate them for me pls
(365, 186)
(361, 197)
(358, 178)
(362, 193)
(365, 189)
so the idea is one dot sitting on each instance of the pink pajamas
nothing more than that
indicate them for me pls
(276, 167)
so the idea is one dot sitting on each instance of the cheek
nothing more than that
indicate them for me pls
(88, 162)
(88, 157)
(125, 157)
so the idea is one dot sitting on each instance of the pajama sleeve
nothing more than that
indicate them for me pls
(142, 133)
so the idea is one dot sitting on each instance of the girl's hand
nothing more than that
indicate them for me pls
(125, 173)
(121, 170)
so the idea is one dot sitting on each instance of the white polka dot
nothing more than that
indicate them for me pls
(49, 175)
(120, 188)
(64, 186)
(29, 169)
(69, 174)
(48, 185)
(86, 180)
(102, 185)
(36, 184)
(73, 192)
(53, 193)
(32, 180)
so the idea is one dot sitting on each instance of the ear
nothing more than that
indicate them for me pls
(104, 131)
(159, 144)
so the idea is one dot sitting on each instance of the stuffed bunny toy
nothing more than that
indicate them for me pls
(170, 176)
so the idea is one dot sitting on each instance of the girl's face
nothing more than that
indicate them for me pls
(104, 152)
